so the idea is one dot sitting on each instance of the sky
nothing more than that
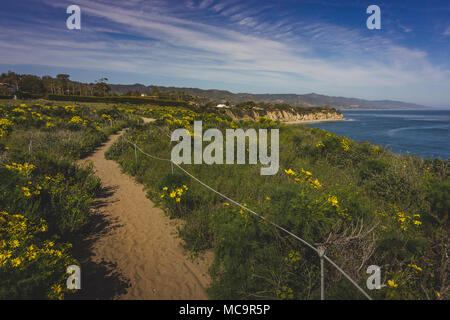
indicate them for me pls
(254, 46)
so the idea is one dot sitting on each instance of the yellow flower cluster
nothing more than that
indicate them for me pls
(30, 188)
(404, 220)
(392, 284)
(25, 169)
(183, 118)
(304, 176)
(293, 256)
(19, 110)
(15, 231)
(243, 212)
(268, 123)
(5, 127)
(285, 293)
(46, 116)
(175, 193)
(407, 220)
(345, 144)
(333, 201)
(21, 249)
(77, 120)
(71, 109)
(415, 267)
(23, 111)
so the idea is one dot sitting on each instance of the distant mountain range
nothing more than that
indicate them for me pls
(310, 99)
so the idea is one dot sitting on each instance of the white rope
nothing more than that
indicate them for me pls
(258, 215)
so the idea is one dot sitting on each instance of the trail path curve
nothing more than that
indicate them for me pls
(144, 244)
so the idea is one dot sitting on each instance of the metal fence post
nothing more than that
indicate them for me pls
(321, 252)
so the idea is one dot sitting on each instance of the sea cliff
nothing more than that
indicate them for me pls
(292, 115)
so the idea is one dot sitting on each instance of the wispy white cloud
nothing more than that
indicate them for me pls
(284, 55)
(205, 4)
(405, 29)
(447, 31)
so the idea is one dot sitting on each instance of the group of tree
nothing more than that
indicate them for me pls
(14, 83)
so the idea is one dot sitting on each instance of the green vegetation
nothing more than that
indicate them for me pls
(45, 196)
(251, 108)
(367, 205)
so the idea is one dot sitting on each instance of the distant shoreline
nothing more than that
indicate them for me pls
(312, 121)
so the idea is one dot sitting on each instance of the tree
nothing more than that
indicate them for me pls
(101, 88)
(62, 80)
(49, 84)
(32, 84)
(132, 93)
(11, 79)
(155, 91)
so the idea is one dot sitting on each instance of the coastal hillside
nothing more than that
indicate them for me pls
(311, 99)
(366, 205)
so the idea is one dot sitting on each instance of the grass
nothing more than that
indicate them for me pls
(372, 207)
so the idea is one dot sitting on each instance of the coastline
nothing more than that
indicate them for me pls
(311, 121)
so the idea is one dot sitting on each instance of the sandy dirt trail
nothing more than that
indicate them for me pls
(144, 245)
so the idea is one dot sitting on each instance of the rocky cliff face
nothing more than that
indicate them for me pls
(284, 115)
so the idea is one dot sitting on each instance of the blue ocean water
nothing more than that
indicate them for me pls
(421, 132)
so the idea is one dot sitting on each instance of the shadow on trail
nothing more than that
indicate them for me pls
(98, 280)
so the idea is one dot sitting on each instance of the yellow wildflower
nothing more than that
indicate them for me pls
(392, 284)
(333, 200)
(16, 262)
(290, 172)
(15, 244)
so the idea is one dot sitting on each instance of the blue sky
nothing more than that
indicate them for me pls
(243, 46)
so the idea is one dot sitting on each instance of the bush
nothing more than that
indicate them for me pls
(31, 264)
(40, 180)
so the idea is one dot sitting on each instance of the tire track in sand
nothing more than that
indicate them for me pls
(144, 244)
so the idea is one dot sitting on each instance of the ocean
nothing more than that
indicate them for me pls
(423, 133)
